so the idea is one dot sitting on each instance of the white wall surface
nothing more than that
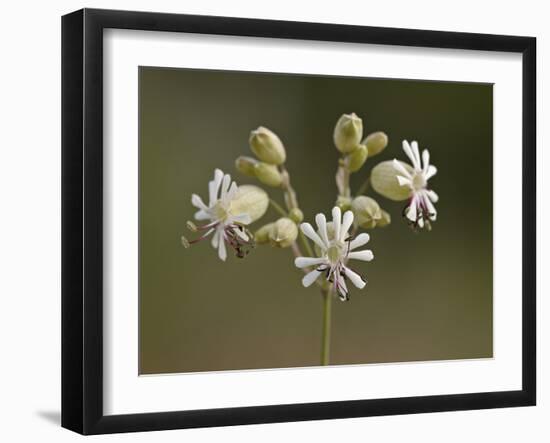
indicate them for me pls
(30, 219)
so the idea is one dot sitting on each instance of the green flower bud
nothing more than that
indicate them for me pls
(267, 146)
(367, 211)
(344, 203)
(245, 165)
(268, 174)
(348, 132)
(376, 143)
(384, 181)
(250, 200)
(385, 220)
(357, 158)
(296, 215)
(283, 233)
(261, 236)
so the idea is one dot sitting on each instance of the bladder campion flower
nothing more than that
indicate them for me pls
(334, 252)
(399, 181)
(230, 208)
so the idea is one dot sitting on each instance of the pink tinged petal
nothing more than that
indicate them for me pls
(426, 160)
(310, 277)
(202, 215)
(401, 169)
(306, 262)
(404, 181)
(197, 202)
(321, 221)
(341, 287)
(361, 240)
(225, 185)
(355, 278)
(432, 170)
(432, 196)
(366, 255)
(222, 252)
(416, 153)
(241, 234)
(307, 229)
(408, 150)
(346, 224)
(336, 221)
(411, 211)
(430, 207)
(216, 239)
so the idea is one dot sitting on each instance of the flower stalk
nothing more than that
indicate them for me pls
(325, 332)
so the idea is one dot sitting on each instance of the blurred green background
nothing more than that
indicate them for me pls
(429, 295)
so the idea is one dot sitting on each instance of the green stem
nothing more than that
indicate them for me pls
(347, 174)
(325, 344)
(277, 207)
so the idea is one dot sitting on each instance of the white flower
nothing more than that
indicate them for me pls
(420, 210)
(335, 251)
(227, 214)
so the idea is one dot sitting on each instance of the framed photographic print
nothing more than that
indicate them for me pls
(269, 221)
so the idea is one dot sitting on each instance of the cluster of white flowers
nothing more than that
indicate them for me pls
(231, 208)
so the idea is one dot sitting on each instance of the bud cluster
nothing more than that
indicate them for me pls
(270, 154)
(348, 139)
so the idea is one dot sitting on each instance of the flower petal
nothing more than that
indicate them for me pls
(197, 202)
(410, 212)
(342, 288)
(222, 252)
(361, 240)
(432, 170)
(306, 262)
(409, 152)
(202, 215)
(232, 191)
(432, 195)
(430, 207)
(225, 185)
(310, 277)
(426, 160)
(400, 167)
(404, 181)
(216, 238)
(214, 186)
(336, 221)
(321, 221)
(346, 224)
(365, 255)
(307, 229)
(355, 278)
(416, 153)
(241, 234)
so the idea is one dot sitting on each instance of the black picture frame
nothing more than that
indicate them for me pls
(82, 221)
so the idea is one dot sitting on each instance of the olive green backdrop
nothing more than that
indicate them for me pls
(429, 295)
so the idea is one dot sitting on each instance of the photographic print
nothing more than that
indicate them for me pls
(292, 220)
